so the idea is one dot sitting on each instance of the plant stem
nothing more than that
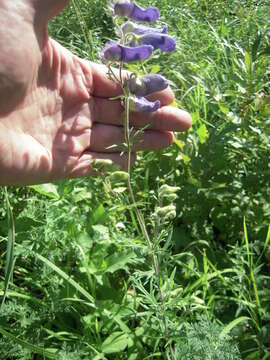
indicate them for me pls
(140, 218)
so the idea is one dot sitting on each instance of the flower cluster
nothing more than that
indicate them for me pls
(137, 43)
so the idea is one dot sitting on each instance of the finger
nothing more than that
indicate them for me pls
(102, 86)
(166, 97)
(166, 118)
(84, 165)
(104, 136)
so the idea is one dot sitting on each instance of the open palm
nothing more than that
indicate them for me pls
(55, 111)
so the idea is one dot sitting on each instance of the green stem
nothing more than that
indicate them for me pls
(140, 218)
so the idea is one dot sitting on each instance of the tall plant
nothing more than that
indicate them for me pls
(136, 43)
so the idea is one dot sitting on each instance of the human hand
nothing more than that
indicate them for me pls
(55, 112)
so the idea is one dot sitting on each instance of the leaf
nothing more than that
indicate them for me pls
(49, 353)
(248, 62)
(155, 69)
(119, 261)
(267, 240)
(119, 189)
(232, 324)
(115, 343)
(67, 278)
(25, 223)
(49, 190)
(10, 260)
(203, 134)
(224, 108)
(99, 216)
(256, 45)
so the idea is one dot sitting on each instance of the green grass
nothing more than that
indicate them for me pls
(83, 285)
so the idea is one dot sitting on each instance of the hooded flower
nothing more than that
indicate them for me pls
(130, 27)
(146, 85)
(131, 10)
(157, 40)
(117, 52)
(140, 104)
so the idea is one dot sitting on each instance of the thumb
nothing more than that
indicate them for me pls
(47, 9)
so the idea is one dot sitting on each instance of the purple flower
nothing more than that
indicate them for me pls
(138, 29)
(146, 85)
(140, 104)
(157, 40)
(117, 52)
(131, 10)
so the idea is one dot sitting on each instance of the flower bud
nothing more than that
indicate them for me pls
(104, 165)
(116, 52)
(138, 29)
(125, 8)
(170, 197)
(166, 190)
(119, 176)
(140, 104)
(166, 212)
(146, 85)
(163, 42)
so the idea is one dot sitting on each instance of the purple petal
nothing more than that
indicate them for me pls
(147, 84)
(123, 8)
(150, 14)
(111, 52)
(140, 104)
(138, 29)
(127, 9)
(116, 52)
(158, 41)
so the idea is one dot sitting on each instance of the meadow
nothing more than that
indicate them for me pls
(83, 283)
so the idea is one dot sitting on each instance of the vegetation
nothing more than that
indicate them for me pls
(83, 285)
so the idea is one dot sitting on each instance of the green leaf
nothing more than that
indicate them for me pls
(116, 342)
(67, 278)
(224, 108)
(119, 261)
(203, 134)
(256, 45)
(248, 61)
(99, 216)
(49, 190)
(267, 240)
(49, 353)
(232, 324)
(10, 260)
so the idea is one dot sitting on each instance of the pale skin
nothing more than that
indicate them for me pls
(55, 113)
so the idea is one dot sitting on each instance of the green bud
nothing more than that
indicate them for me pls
(170, 215)
(166, 190)
(119, 176)
(171, 197)
(164, 211)
(104, 165)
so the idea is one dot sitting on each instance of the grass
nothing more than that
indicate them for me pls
(83, 284)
